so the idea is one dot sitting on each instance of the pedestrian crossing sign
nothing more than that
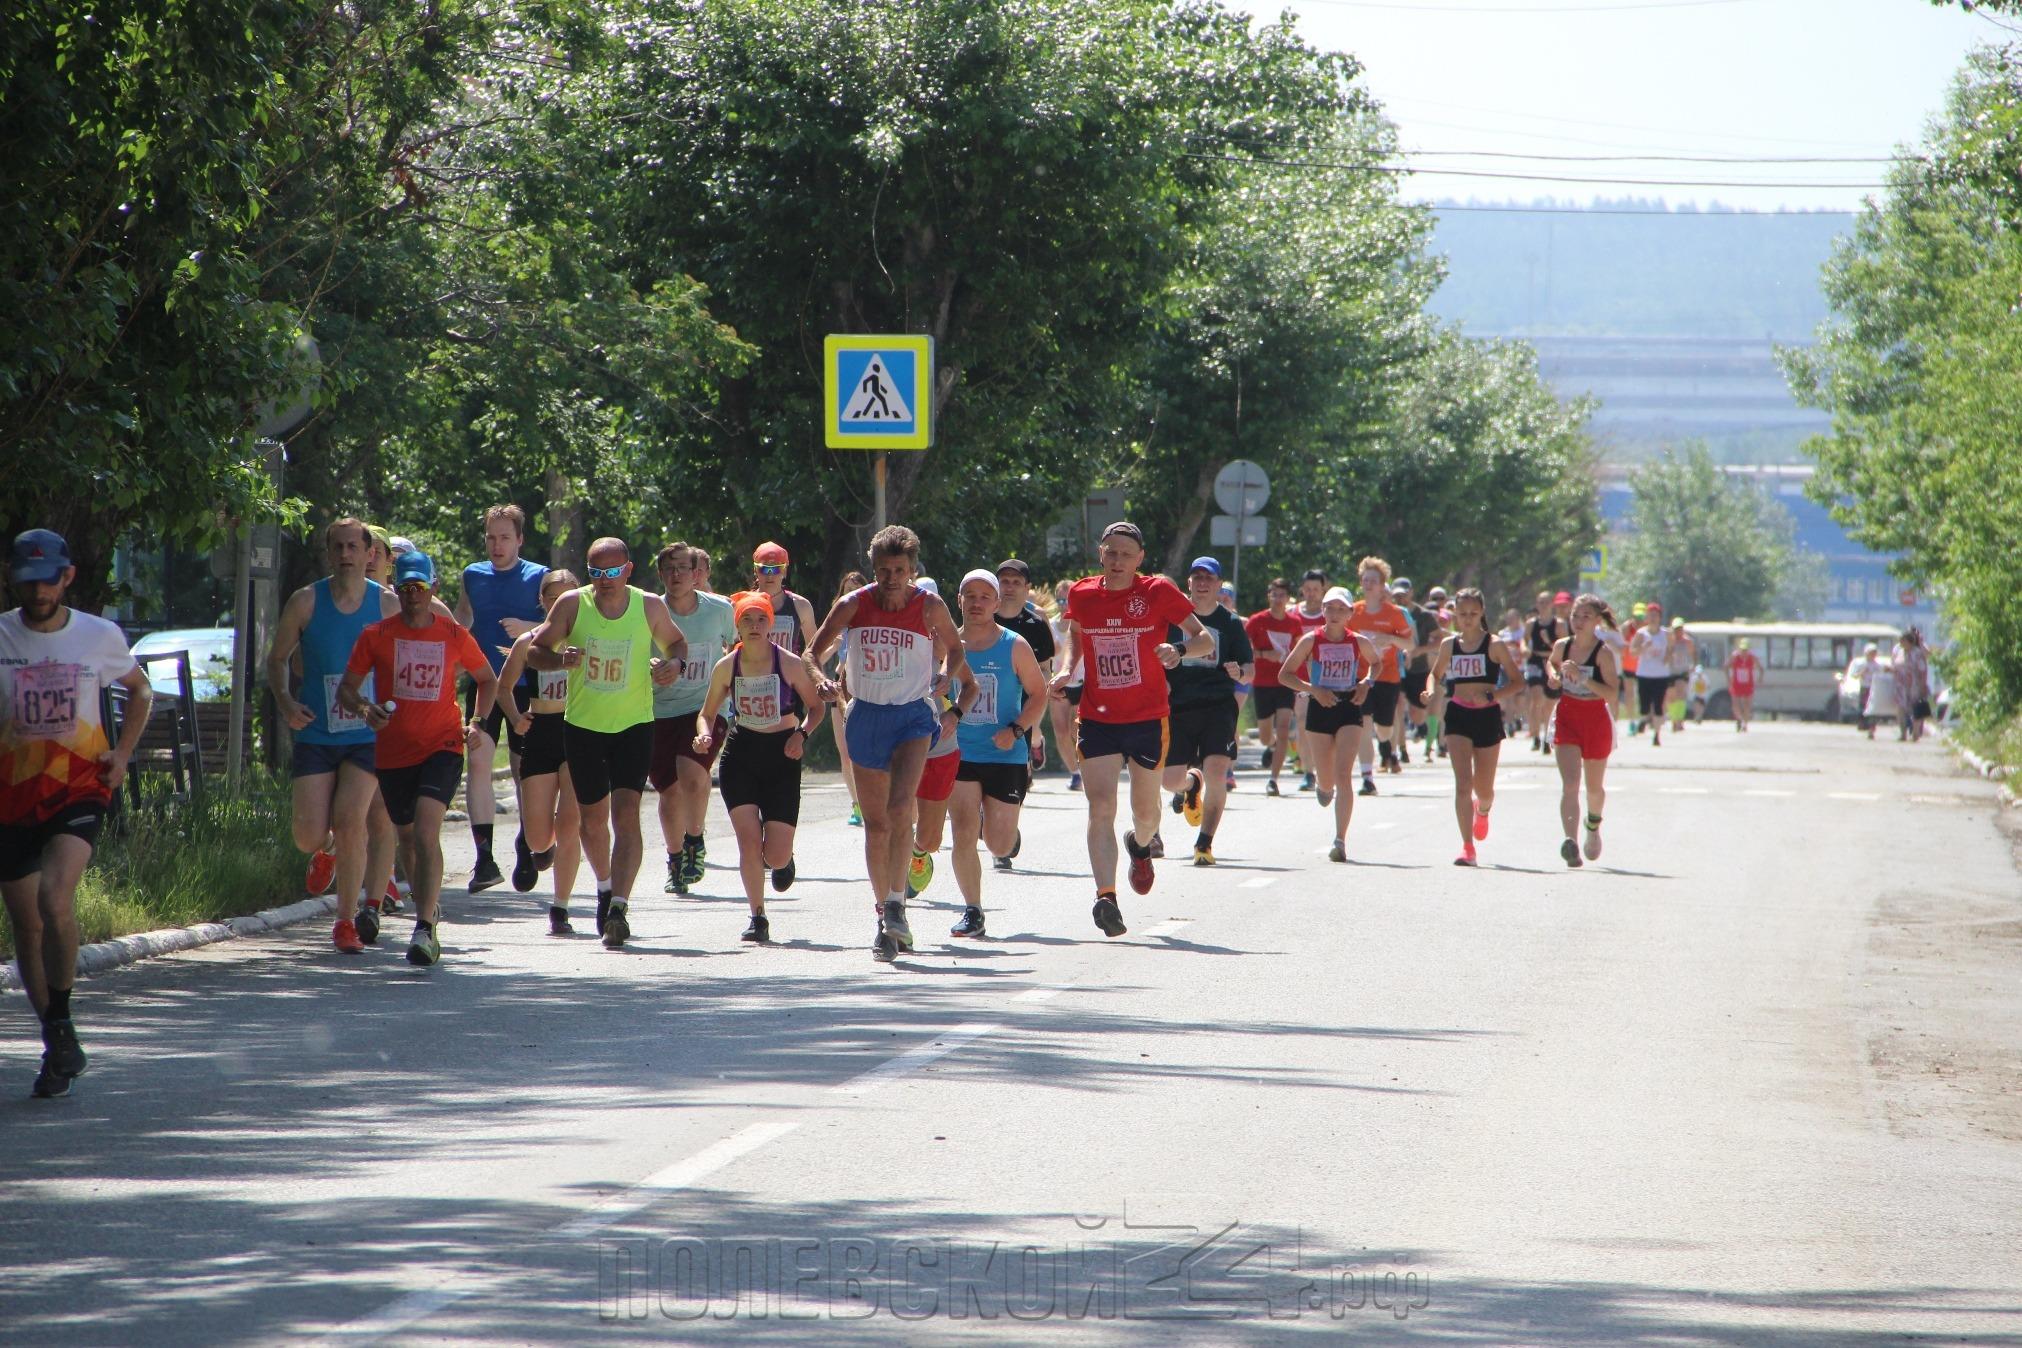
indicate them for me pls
(878, 391)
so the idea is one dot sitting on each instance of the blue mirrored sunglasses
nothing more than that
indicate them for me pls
(606, 572)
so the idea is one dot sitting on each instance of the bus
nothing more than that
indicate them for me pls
(1801, 664)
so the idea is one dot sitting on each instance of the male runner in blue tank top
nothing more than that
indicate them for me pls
(339, 821)
(501, 600)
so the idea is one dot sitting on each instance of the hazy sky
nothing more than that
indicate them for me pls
(1745, 78)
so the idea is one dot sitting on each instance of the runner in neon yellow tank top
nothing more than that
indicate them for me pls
(610, 636)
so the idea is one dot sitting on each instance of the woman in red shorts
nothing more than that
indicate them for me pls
(1584, 670)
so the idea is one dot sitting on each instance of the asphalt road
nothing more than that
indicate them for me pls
(1752, 1079)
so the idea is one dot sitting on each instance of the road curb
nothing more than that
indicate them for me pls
(2000, 773)
(124, 950)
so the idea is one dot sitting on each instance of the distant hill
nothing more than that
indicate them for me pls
(1682, 273)
(1667, 317)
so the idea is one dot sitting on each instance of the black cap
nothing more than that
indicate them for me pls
(1013, 564)
(1315, 574)
(1127, 529)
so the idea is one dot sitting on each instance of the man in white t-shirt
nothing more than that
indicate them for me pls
(58, 770)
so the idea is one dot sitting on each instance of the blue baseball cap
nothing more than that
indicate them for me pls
(39, 554)
(413, 566)
(1207, 564)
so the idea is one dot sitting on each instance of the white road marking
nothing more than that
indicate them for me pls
(913, 1059)
(1853, 795)
(1039, 994)
(1258, 882)
(1681, 790)
(1761, 794)
(1166, 928)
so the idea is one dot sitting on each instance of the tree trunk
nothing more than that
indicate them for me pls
(1189, 522)
(565, 523)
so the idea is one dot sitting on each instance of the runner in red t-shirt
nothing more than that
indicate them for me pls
(413, 659)
(1116, 627)
(1273, 632)
(1744, 676)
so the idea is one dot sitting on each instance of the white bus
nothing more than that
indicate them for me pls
(1801, 664)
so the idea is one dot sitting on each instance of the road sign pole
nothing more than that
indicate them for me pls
(1242, 505)
(878, 496)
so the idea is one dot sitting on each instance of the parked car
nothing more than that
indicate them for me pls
(210, 651)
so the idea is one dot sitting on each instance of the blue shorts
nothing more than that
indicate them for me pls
(313, 760)
(876, 730)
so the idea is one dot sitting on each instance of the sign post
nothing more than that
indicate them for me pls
(878, 394)
(1243, 489)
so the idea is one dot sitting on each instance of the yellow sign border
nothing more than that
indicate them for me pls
(921, 396)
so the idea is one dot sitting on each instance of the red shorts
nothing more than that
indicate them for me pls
(937, 779)
(674, 740)
(1585, 723)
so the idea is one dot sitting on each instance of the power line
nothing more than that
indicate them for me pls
(1396, 171)
(1622, 210)
(1526, 9)
(1661, 158)
(1504, 114)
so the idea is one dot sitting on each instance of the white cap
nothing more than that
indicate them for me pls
(987, 577)
(929, 584)
(1338, 593)
(398, 545)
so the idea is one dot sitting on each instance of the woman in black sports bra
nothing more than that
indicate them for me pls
(1466, 666)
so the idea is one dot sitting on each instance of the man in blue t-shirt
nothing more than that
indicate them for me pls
(501, 600)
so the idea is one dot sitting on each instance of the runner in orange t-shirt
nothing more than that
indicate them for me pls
(1388, 628)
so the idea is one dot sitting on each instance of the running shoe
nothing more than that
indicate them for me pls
(485, 875)
(759, 932)
(1230, 779)
(1307, 783)
(1338, 852)
(524, 871)
(1204, 856)
(1190, 799)
(1466, 857)
(691, 866)
(389, 902)
(1179, 801)
(1108, 916)
(1480, 826)
(1140, 864)
(558, 922)
(782, 879)
(543, 860)
(1074, 781)
(61, 1053)
(49, 1085)
(1593, 847)
(971, 923)
(1271, 787)
(896, 925)
(856, 819)
(883, 948)
(368, 924)
(617, 930)
(1001, 863)
(1403, 754)
(677, 874)
(1017, 841)
(1368, 786)
(1570, 852)
(424, 950)
(322, 870)
(920, 874)
(345, 937)
(603, 910)
(1267, 758)
(1157, 849)
(1538, 744)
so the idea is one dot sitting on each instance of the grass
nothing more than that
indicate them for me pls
(1997, 744)
(174, 863)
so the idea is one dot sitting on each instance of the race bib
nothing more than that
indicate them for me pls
(984, 712)
(45, 701)
(418, 667)
(607, 663)
(1473, 666)
(786, 628)
(552, 685)
(1116, 660)
(1337, 663)
(336, 720)
(886, 662)
(756, 698)
(694, 675)
(1214, 656)
(1281, 642)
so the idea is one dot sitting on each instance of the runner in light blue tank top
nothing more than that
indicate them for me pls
(327, 640)
(997, 705)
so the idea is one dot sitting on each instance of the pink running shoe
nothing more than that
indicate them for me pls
(1480, 826)
(1466, 857)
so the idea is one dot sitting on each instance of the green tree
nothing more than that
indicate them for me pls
(1705, 543)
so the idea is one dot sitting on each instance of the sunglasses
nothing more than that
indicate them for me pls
(607, 572)
(772, 570)
(411, 585)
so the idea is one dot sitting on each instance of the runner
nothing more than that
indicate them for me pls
(851, 582)
(58, 770)
(1273, 631)
(1202, 692)
(339, 819)
(1429, 702)
(1479, 674)
(1311, 614)
(1541, 632)
(1744, 676)
(776, 707)
(1511, 634)
(1584, 668)
(937, 777)
(500, 603)
(379, 557)
(1117, 623)
(1017, 612)
(1416, 670)
(413, 658)
(1629, 664)
(1652, 651)
(608, 635)
(1684, 654)
(700, 558)
(996, 763)
(894, 626)
(792, 616)
(1062, 710)
(1343, 667)
(1389, 631)
(553, 822)
(679, 771)
(1243, 690)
